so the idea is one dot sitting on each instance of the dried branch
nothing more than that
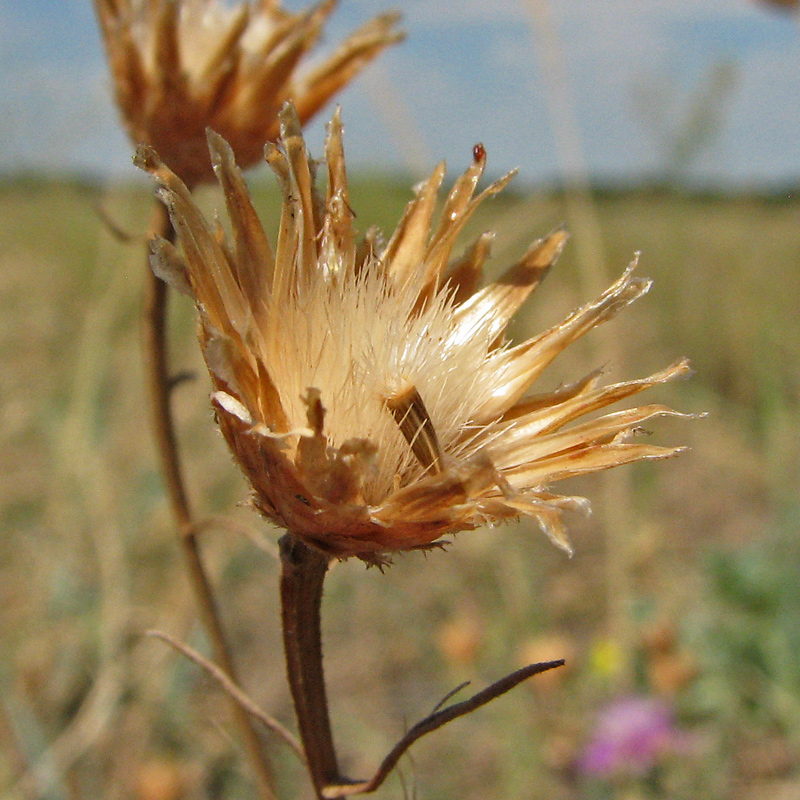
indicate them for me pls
(160, 384)
(114, 228)
(450, 695)
(230, 688)
(434, 721)
(236, 527)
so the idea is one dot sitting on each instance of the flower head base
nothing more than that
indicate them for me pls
(366, 388)
(180, 66)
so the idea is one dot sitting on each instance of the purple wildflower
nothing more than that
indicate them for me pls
(630, 737)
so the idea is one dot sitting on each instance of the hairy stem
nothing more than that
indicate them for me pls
(302, 576)
(159, 385)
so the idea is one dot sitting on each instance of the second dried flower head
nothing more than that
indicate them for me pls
(366, 388)
(180, 66)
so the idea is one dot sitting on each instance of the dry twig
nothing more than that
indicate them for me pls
(434, 721)
(160, 384)
(233, 691)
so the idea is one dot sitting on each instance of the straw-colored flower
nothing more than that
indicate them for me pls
(366, 388)
(180, 66)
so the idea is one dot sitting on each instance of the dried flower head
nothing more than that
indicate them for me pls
(366, 388)
(180, 66)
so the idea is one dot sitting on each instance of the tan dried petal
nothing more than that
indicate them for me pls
(411, 416)
(464, 275)
(500, 300)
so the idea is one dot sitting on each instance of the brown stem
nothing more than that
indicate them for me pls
(302, 576)
(159, 384)
(439, 717)
(158, 378)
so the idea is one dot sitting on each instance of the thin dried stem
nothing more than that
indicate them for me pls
(231, 689)
(113, 227)
(303, 573)
(434, 721)
(159, 384)
(238, 528)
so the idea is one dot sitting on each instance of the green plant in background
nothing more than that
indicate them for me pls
(747, 640)
(683, 128)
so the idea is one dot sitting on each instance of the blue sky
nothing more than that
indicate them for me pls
(473, 71)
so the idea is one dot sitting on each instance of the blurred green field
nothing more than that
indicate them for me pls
(699, 598)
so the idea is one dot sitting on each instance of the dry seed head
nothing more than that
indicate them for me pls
(368, 392)
(180, 66)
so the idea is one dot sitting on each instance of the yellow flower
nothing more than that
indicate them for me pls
(366, 387)
(180, 66)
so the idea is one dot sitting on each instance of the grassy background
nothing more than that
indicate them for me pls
(707, 580)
